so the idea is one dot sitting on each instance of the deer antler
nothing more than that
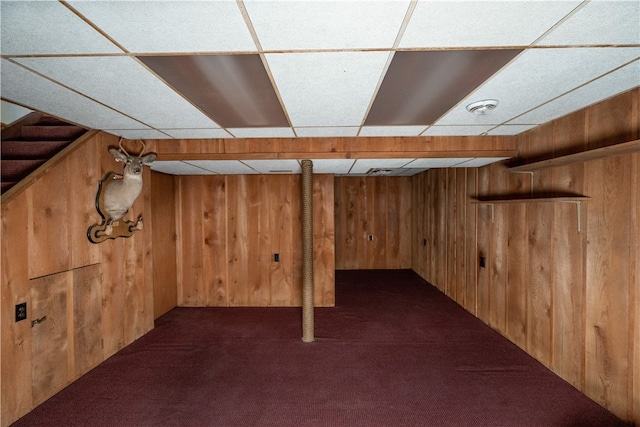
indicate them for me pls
(144, 147)
(122, 148)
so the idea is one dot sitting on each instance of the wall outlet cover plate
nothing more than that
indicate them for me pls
(21, 311)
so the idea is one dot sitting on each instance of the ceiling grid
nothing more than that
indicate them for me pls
(307, 68)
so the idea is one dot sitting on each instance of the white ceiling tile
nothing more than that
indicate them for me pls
(26, 88)
(510, 129)
(336, 166)
(410, 171)
(262, 132)
(436, 163)
(311, 132)
(34, 27)
(453, 130)
(12, 112)
(482, 23)
(537, 76)
(362, 166)
(327, 88)
(124, 84)
(291, 25)
(154, 26)
(274, 166)
(197, 133)
(598, 23)
(178, 168)
(479, 162)
(618, 81)
(223, 167)
(391, 130)
(138, 133)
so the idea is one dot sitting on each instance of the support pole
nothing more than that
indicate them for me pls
(307, 251)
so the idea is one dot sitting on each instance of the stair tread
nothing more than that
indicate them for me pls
(31, 149)
(29, 146)
(15, 170)
(35, 132)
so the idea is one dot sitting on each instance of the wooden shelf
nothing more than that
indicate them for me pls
(583, 156)
(559, 199)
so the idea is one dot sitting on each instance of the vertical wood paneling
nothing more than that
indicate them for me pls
(113, 297)
(451, 240)
(280, 211)
(193, 280)
(471, 235)
(49, 227)
(163, 214)
(571, 299)
(569, 246)
(440, 228)
(135, 293)
(517, 256)
(233, 225)
(460, 282)
(418, 222)
(485, 231)
(50, 337)
(541, 257)
(238, 236)
(296, 239)
(82, 211)
(634, 287)
(87, 303)
(498, 262)
(15, 346)
(379, 207)
(607, 321)
(214, 240)
(324, 240)
(44, 238)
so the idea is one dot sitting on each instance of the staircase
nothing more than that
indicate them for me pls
(29, 143)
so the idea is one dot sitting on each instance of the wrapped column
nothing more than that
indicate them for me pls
(307, 251)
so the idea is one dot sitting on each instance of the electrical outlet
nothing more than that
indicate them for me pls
(276, 257)
(370, 237)
(21, 311)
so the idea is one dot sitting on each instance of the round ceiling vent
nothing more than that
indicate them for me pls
(482, 107)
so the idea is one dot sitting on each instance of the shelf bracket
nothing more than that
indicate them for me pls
(530, 173)
(492, 206)
(578, 213)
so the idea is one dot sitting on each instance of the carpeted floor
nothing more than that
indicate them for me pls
(393, 352)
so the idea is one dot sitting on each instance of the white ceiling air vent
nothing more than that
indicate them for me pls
(482, 107)
(379, 172)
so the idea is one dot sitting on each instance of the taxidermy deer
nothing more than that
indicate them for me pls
(120, 194)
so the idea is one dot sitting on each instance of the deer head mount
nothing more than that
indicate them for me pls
(116, 194)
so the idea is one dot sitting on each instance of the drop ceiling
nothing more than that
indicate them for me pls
(315, 69)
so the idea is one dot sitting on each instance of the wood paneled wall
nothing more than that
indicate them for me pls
(230, 227)
(379, 207)
(571, 299)
(96, 298)
(164, 236)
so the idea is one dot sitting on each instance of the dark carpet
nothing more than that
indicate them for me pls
(393, 352)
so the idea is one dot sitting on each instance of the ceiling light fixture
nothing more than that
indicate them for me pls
(482, 107)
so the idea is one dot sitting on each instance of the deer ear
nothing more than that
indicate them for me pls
(149, 158)
(117, 154)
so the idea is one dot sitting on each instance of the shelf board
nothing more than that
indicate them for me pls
(583, 156)
(559, 199)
